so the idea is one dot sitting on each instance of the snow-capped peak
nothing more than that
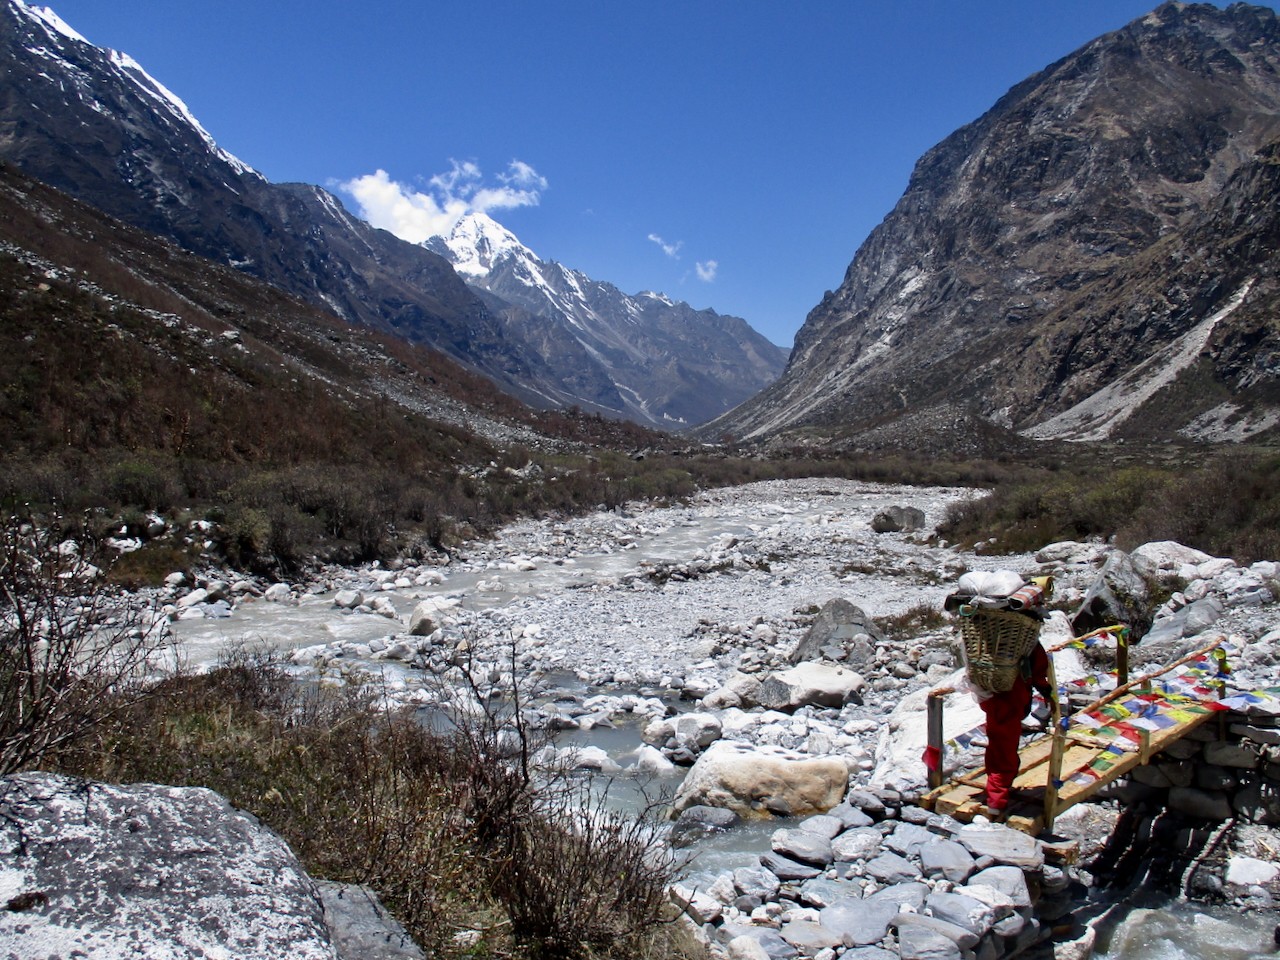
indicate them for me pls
(51, 20)
(59, 30)
(478, 242)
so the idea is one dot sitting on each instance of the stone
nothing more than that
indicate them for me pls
(1165, 559)
(430, 615)
(756, 882)
(360, 925)
(843, 628)
(1172, 636)
(695, 731)
(150, 871)
(812, 684)
(1002, 844)
(809, 937)
(702, 908)
(785, 868)
(1011, 882)
(1256, 734)
(649, 760)
(1200, 803)
(1000, 904)
(1248, 871)
(860, 843)
(850, 816)
(802, 845)
(864, 802)
(760, 780)
(967, 912)
(891, 868)
(909, 896)
(746, 948)
(904, 733)
(1118, 595)
(821, 892)
(1210, 778)
(898, 519)
(947, 859)
(1226, 754)
(1257, 803)
(698, 822)
(859, 922)
(962, 937)
(766, 938)
(277, 593)
(1165, 774)
(918, 942)
(823, 824)
(907, 839)
(348, 599)
(198, 595)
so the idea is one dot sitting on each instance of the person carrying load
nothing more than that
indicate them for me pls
(1000, 618)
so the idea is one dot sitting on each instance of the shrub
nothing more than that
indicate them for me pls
(448, 827)
(71, 655)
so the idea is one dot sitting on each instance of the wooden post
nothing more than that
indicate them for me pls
(935, 735)
(1056, 750)
(1122, 658)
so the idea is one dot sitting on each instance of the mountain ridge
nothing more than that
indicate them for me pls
(1066, 182)
(662, 361)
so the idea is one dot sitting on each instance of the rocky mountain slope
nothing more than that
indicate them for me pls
(93, 123)
(1092, 258)
(654, 359)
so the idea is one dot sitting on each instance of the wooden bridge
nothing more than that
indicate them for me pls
(1081, 752)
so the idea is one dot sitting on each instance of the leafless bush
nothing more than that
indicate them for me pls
(574, 878)
(70, 653)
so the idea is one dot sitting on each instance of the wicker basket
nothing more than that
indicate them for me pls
(995, 642)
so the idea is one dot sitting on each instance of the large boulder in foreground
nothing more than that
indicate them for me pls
(105, 871)
(756, 781)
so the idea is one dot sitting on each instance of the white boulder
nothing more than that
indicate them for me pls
(812, 684)
(755, 781)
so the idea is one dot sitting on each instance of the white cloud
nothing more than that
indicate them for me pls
(707, 270)
(415, 215)
(672, 250)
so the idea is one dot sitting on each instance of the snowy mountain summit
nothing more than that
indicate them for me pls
(645, 356)
(478, 242)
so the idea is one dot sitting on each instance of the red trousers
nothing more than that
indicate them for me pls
(1004, 728)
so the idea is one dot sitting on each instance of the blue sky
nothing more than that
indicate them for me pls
(731, 153)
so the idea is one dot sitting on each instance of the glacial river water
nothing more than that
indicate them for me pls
(1168, 932)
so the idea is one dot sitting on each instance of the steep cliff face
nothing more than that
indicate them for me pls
(1020, 272)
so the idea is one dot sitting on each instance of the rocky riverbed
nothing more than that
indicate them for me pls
(787, 623)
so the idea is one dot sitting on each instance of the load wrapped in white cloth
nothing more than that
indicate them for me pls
(990, 583)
